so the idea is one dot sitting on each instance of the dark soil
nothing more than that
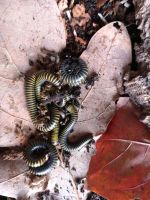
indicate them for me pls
(66, 158)
(110, 11)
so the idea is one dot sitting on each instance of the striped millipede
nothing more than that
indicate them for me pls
(41, 78)
(63, 139)
(54, 119)
(30, 88)
(54, 135)
(40, 156)
(30, 97)
(73, 71)
(46, 167)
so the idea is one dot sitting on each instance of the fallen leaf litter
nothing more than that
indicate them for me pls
(79, 40)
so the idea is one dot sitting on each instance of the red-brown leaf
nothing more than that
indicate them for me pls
(120, 170)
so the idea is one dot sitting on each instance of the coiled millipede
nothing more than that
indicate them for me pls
(31, 97)
(73, 71)
(46, 167)
(40, 156)
(63, 140)
(41, 78)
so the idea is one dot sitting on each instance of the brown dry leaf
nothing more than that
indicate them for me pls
(80, 17)
(78, 10)
(81, 21)
(120, 169)
(108, 54)
(100, 3)
(20, 186)
(80, 40)
(12, 181)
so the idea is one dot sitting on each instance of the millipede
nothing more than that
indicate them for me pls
(63, 102)
(41, 78)
(46, 167)
(55, 135)
(63, 140)
(31, 99)
(54, 119)
(73, 71)
(40, 156)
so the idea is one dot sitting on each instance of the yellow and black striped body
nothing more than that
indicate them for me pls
(54, 119)
(41, 78)
(30, 97)
(33, 96)
(63, 139)
(55, 135)
(73, 71)
(40, 156)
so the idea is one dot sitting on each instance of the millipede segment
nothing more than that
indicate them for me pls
(73, 71)
(40, 156)
(30, 97)
(63, 140)
(52, 123)
(32, 91)
(41, 78)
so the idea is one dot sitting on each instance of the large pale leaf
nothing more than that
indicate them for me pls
(25, 28)
(108, 54)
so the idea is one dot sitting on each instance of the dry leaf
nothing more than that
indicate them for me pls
(100, 3)
(25, 28)
(78, 10)
(108, 54)
(81, 21)
(80, 17)
(120, 169)
(62, 5)
(80, 40)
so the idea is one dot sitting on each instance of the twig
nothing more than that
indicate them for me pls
(71, 4)
(71, 176)
(102, 18)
